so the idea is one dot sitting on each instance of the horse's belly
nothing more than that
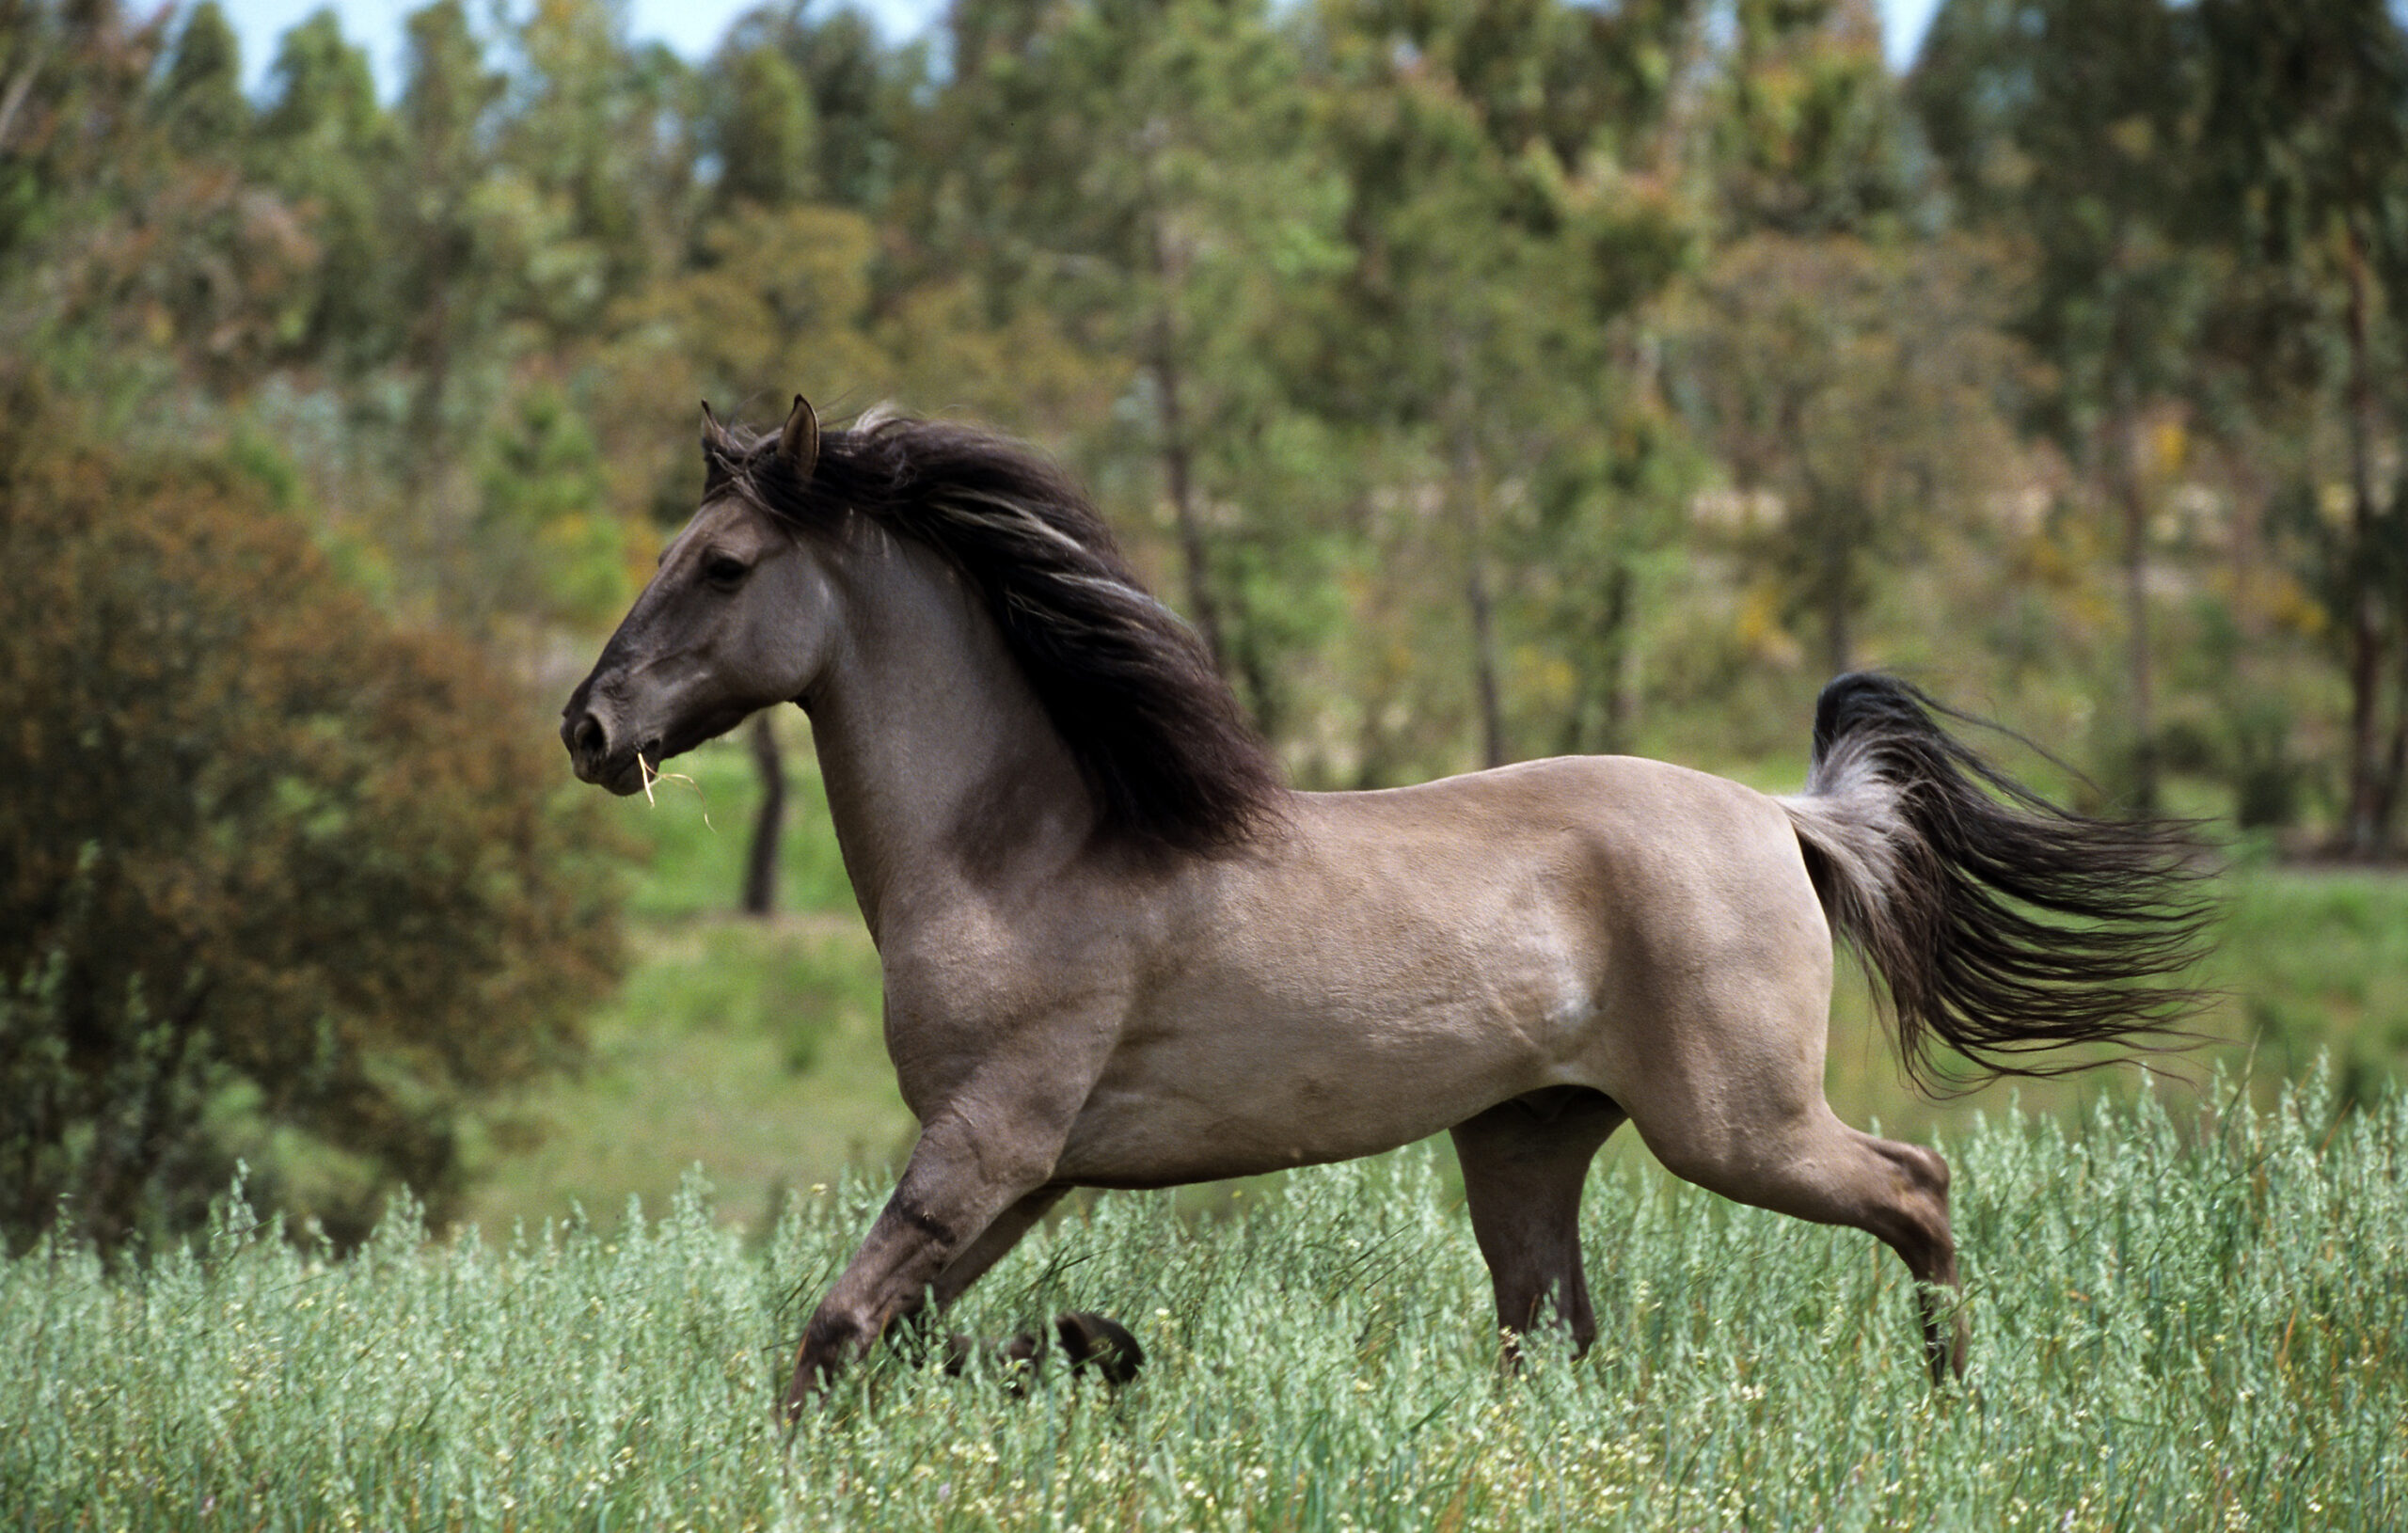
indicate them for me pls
(1371, 985)
(1244, 1084)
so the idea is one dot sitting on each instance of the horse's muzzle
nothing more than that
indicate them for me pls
(595, 757)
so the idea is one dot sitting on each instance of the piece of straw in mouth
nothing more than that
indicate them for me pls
(652, 775)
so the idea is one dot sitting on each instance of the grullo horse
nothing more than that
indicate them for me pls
(1118, 951)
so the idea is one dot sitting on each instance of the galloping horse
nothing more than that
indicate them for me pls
(1120, 952)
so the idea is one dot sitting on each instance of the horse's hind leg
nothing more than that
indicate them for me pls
(1524, 1162)
(1805, 1162)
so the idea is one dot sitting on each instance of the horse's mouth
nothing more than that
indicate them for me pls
(628, 777)
(642, 765)
(625, 775)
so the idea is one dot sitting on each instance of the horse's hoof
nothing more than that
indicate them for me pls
(1095, 1341)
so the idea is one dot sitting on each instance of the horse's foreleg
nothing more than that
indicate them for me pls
(960, 1199)
(1524, 1163)
(993, 1244)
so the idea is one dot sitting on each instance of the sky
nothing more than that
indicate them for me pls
(693, 26)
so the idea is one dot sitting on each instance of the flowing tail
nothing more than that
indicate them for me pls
(1999, 925)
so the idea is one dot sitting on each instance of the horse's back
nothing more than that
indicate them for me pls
(1668, 870)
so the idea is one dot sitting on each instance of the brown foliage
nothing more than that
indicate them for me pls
(278, 879)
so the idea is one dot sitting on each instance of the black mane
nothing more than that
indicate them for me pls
(1165, 746)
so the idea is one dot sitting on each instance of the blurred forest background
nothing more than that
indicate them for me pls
(1484, 379)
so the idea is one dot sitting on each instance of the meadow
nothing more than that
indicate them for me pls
(2177, 1325)
(2188, 1302)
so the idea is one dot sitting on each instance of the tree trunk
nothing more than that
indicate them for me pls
(17, 89)
(1178, 458)
(2363, 830)
(1838, 560)
(2395, 773)
(761, 864)
(2139, 678)
(1177, 479)
(1602, 708)
(1471, 508)
(1484, 644)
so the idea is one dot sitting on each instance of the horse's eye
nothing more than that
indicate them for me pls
(722, 571)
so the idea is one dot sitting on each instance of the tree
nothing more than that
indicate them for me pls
(1502, 252)
(279, 881)
(2307, 154)
(2066, 124)
(1089, 153)
(847, 132)
(201, 97)
(323, 141)
(1853, 393)
(764, 135)
(447, 288)
(1806, 124)
(598, 136)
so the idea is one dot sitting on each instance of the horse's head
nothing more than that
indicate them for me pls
(722, 629)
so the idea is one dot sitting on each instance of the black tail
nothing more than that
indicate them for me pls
(2001, 925)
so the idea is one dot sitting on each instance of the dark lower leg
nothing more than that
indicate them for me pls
(1087, 1341)
(1917, 1229)
(1524, 1163)
(993, 1244)
(944, 1206)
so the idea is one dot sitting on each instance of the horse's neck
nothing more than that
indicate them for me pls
(944, 776)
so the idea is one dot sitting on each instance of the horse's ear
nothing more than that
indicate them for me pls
(714, 451)
(798, 444)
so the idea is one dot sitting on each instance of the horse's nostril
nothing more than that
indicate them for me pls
(588, 740)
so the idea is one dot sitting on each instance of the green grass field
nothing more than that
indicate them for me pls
(2191, 1327)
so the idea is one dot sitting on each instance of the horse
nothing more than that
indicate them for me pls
(1119, 951)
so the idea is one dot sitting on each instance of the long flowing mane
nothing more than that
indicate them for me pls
(1163, 743)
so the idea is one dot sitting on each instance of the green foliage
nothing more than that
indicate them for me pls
(1858, 396)
(281, 881)
(202, 94)
(764, 140)
(546, 538)
(319, 141)
(1418, 350)
(2173, 1328)
(1809, 140)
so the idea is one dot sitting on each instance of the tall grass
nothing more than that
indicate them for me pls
(2194, 1326)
